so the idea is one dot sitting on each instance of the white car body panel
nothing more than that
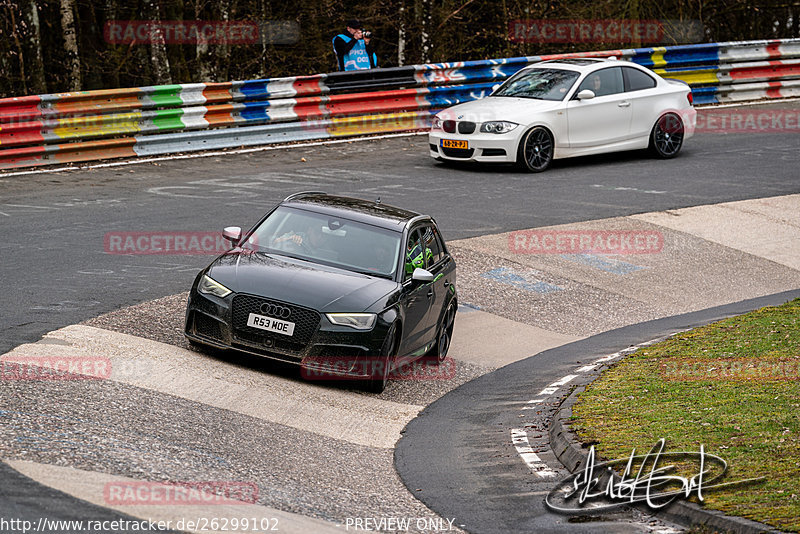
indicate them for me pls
(610, 123)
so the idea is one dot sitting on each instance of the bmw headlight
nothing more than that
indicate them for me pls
(211, 287)
(359, 321)
(498, 127)
(436, 124)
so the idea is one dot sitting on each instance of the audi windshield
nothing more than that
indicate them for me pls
(541, 84)
(333, 241)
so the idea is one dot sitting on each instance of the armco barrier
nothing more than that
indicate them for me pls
(144, 121)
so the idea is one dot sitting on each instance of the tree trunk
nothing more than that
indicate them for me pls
(401, 37)
(201, 49)
(223, 50)
(263, 64)
(158, 48)
(425, 40)
(23, 78)
(38, 82)
(111, 74)
(71, 44)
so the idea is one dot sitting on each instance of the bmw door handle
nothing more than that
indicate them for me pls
(624, 104)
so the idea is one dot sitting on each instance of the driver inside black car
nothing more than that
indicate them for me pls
(311, 241)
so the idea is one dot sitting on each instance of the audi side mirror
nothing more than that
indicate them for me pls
(232, 234)
(421, 275)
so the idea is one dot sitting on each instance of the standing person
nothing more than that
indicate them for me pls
(353, 49)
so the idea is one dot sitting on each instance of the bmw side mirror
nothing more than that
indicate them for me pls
(586, 94)
(421, 275)
(232, 234)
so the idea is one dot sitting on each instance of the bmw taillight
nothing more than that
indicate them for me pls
(690, 98)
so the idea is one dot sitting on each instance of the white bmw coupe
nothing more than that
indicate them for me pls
(565, 108)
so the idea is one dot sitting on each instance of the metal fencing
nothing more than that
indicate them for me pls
(165, 119)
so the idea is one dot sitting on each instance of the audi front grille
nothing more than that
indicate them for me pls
(306, 322)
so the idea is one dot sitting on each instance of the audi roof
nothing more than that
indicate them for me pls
(371, 212)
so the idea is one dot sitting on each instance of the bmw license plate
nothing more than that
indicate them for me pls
(453, 143)
(270, 324)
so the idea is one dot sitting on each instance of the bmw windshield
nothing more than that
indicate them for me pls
(332, 241)
(541, 84)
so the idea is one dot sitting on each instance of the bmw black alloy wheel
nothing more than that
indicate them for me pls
(536, 150)
(667, 137)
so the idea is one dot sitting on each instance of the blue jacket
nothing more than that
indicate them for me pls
(352, 54)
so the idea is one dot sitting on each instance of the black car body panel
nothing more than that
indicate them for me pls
(326, 289)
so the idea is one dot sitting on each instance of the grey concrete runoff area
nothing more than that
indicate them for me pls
(723, 222)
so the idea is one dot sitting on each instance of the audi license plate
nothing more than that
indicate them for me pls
(270, 324)
(453, 143)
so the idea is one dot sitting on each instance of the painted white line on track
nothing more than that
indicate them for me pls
(208, 154)
(567, 379)
(520, 440)
(519, 437)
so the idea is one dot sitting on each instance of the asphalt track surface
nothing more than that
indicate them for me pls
(56, 272)
(451, 452)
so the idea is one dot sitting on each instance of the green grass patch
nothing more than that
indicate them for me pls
(732, 386)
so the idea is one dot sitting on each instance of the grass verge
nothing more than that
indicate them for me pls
(733, 386)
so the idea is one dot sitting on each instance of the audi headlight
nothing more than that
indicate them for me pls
(359, 321)
(498, 127)
(211, 287)
(436, 124)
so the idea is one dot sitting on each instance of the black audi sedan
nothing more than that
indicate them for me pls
(344, 287)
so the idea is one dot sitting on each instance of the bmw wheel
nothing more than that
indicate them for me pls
(438, 353)
(666, 138)
(383, 366)
(536, 150)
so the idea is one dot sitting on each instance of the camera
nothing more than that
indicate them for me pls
(366, 34)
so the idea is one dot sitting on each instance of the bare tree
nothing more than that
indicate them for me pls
(158, 48)
(201, 48)
(38, 83)
(401, 36)
(15, 30)
(71, 44)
